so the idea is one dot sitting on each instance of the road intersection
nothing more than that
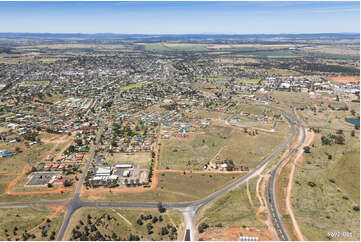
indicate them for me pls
(189, 210)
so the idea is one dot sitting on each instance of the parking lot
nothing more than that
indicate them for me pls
(42, 178)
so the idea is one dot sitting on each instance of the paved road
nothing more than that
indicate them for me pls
(271, 186)
(188, 209)
(75, 202)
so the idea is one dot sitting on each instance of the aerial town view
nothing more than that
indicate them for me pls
(188, 121)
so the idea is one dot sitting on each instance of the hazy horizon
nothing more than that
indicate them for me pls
(156, 18)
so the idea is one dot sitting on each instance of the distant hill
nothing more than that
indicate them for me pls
(177, 36)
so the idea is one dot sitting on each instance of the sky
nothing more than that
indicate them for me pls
(180, 17)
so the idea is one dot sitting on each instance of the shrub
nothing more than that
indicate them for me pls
(202, 227)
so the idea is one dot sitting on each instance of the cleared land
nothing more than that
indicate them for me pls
(248, 150)
(140, 158)
(193, 151)
(233, 210)
(131, 86)
(124, 224)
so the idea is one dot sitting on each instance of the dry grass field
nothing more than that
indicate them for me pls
(31, 222)
(235, 209)
(121, 223)
(193, 151)
(321, 200)
(141, 158)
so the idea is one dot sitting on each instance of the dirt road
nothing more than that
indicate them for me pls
(309, 139)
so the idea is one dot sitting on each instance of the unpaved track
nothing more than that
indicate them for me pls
(309, 139)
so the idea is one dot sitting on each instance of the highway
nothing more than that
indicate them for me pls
(271, 186)
(189, 210)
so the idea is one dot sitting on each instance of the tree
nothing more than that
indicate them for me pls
(307, 149)
(340, 140)
(164, 231)
(161, 208)
(325, 140)
(202, 227)
(68, 183)
(139, 221)
(79, 142)
(93, 228)
(155, 219)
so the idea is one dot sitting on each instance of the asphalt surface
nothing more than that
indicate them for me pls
(271, 186)
(188, 209)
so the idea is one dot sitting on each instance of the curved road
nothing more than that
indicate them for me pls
(188, 209)
(271, 186)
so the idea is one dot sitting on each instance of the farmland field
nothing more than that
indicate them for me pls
(161, 47)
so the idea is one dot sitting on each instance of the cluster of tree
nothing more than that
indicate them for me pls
(318, 67)
(154, 219)
(31, 136)
(169, 230)
(151, 168)
(68, 183)
(331, 138)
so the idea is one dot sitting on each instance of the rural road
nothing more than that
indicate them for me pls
(189, 210)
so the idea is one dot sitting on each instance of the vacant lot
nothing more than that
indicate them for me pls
(6, 198)
(5, 181)
(125, 224)
(233, 209)
(193, 151)
(31, 223)
(141, 158)
(28, 157)
(33, 83)
(248, 150)
(318, 204)
(173, 187)
(131, 86)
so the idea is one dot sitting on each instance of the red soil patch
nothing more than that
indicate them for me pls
(344, 79)
(232, 234)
